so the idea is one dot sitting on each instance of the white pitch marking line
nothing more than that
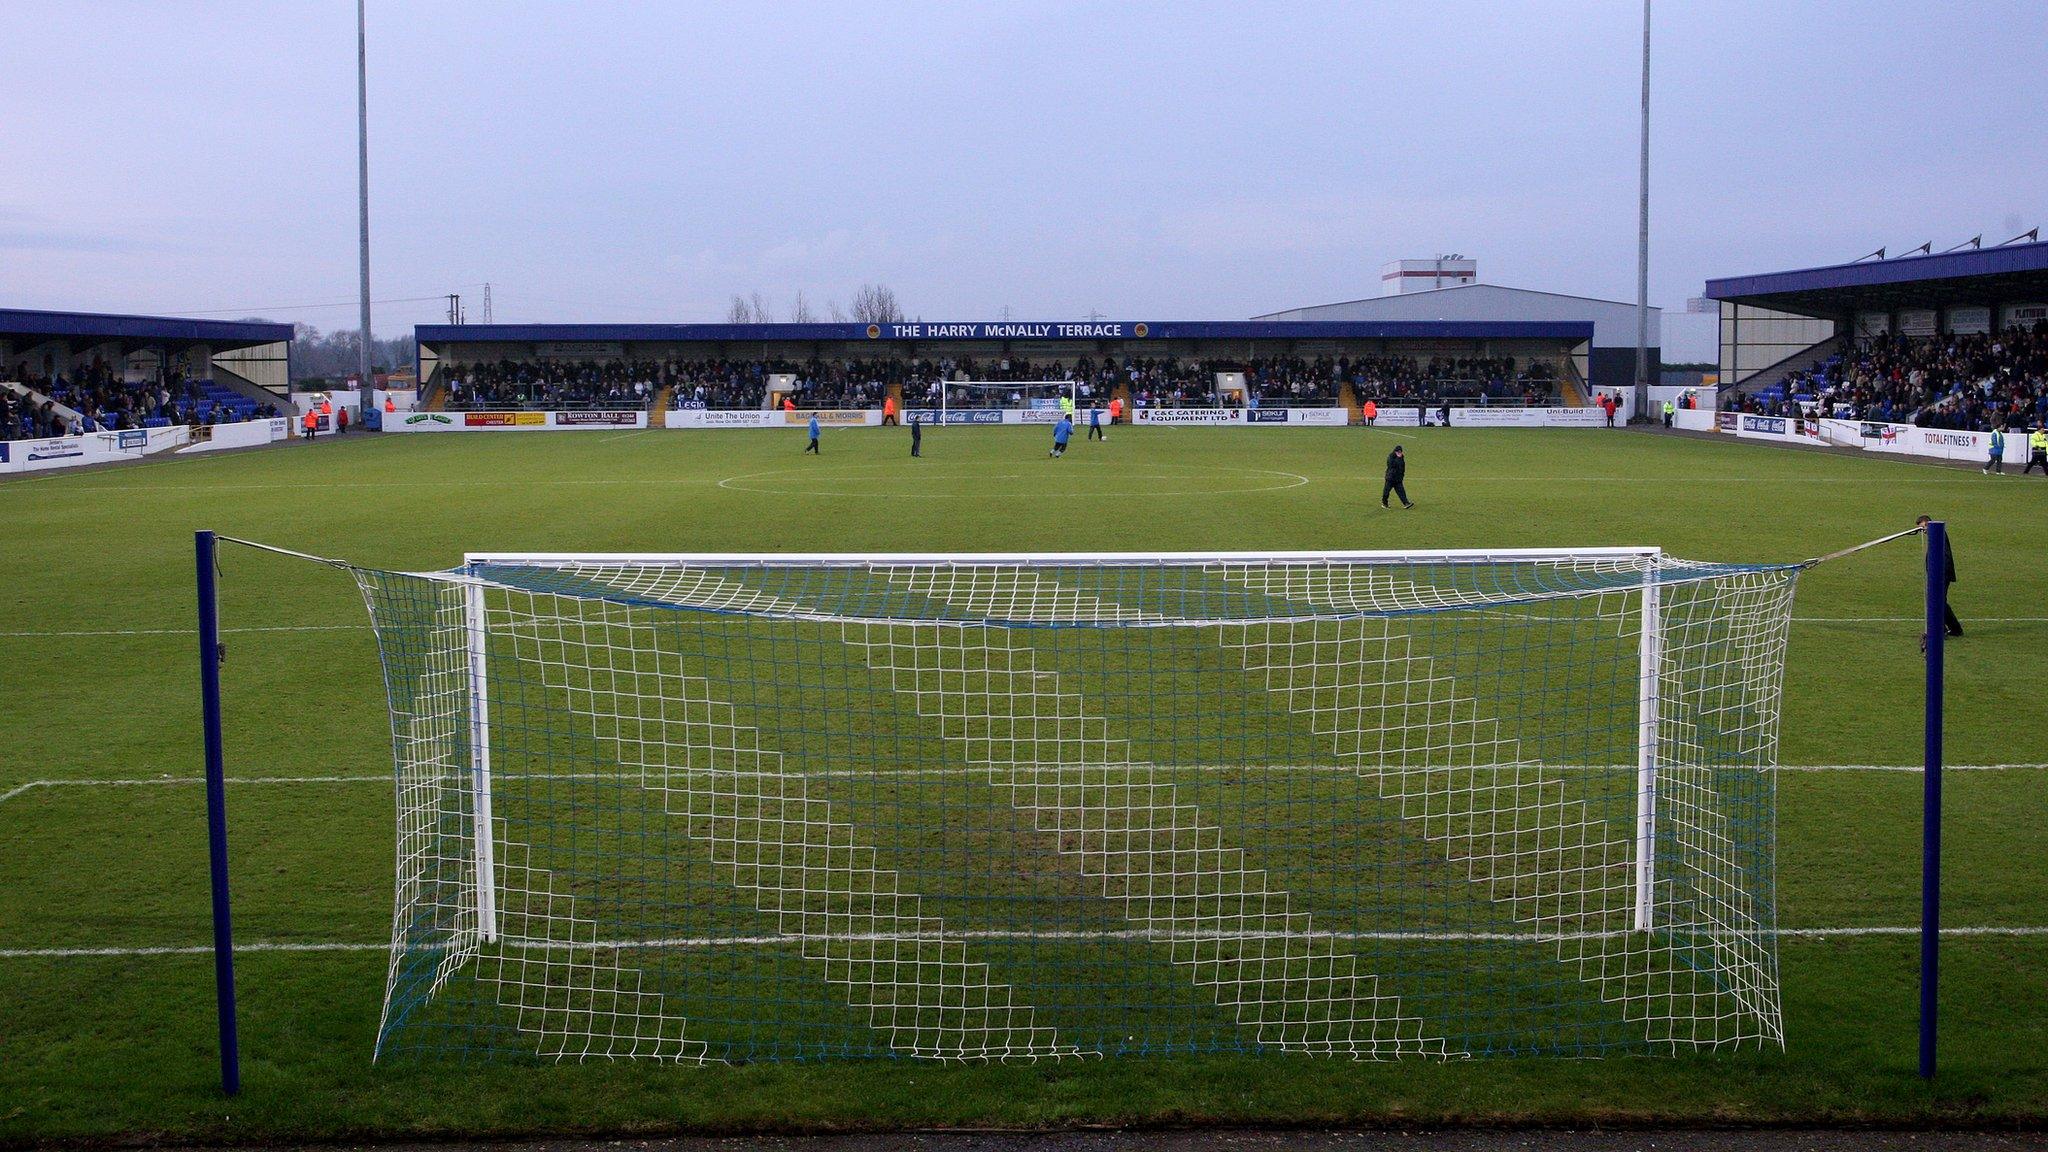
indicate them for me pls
(1913, 619)
(1904, 767)
(180, 631)
(11, 793)
(2018, 931)
(137, 781)
(902, 773)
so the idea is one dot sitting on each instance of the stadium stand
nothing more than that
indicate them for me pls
(1954, 340)
(1976, 382)
(87, 371)
(1160, 382)
(1150, 364)
(106, 403)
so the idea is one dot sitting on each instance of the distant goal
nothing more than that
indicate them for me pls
(705, 808)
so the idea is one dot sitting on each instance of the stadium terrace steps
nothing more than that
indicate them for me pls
(1348, 396)
(227, 381)
(232, 399)
(664, 398)
(1773, 377)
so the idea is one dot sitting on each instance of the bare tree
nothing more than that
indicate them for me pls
(876, 304)
(750, 309)
(332, 355)
(837, 313)
(800, 312)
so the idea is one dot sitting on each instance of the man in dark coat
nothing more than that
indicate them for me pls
(1397, 472)
(1950, 624)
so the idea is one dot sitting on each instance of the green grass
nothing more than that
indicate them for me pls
(117, 1046)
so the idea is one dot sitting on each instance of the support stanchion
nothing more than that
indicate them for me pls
(217, 814)
(1930, 801)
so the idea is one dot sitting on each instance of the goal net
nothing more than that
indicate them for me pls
(735, 808)
(1035, 399)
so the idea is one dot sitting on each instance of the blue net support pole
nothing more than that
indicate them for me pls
(217, 814)
(1930, 805)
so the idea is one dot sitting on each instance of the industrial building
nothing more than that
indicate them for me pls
(1608, 363)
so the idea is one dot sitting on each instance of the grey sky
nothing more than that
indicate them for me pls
(642, 162)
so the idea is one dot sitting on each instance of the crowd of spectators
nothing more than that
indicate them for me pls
(24, 419)
(961, 382)
(105, 402)
(1152, 382)
(1172, 382)
(1474, 379)
(1976, 382)
(554, 384)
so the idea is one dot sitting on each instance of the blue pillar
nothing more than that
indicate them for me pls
(217, 815)
(1930, 802)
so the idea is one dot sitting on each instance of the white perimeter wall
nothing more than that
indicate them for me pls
(88, 448)
(1868, 435)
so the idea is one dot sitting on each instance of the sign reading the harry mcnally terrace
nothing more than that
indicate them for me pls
(1005, 330)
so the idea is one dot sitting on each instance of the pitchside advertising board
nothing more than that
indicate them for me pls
(1868, 435)
(1934, 443)
(1404, 416)
(90, 448)
(833, 417)
(1045, 416)
(1198, 417)
(771, 418)
(513, 421)
(1240, 417)
(955, 416)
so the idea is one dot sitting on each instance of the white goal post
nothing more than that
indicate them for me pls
(1002, 390)
(1647, 672)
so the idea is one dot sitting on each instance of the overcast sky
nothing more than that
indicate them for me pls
(1181, 160)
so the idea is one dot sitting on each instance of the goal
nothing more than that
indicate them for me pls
(703, 808)
(965, 401)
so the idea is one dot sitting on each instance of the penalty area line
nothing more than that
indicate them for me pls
(2026, 931)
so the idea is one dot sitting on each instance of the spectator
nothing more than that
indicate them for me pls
(1961, 381)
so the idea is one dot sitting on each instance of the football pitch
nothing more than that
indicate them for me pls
(106, 982)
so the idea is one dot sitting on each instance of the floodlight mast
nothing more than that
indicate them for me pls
(1643, 240)
(365, 380)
